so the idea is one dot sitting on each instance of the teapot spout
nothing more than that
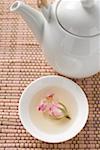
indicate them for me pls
(33, 18)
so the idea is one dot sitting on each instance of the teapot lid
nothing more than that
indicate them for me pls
(78, 17)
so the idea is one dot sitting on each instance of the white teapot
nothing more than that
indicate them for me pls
(69, 32)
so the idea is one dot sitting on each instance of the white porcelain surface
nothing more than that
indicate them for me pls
(76, 51)
(79, 20)
(80, 100)
(88, 3)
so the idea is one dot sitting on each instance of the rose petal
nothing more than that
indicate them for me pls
(54, 110)
(42, 107)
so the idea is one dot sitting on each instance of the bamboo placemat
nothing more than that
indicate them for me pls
(22, 61)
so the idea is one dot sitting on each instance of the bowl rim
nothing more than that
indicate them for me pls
(50, 139)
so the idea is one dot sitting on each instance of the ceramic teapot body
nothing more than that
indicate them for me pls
(71, 51)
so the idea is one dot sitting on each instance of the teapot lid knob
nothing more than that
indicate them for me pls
(88, 3)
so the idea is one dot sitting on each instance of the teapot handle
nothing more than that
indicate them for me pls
(42, 3)
(45, 8)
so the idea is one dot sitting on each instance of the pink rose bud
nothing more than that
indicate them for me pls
(55, 109)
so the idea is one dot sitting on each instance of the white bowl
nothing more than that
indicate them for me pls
(58, 81)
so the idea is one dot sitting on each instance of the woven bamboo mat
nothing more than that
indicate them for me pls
(22, 61)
